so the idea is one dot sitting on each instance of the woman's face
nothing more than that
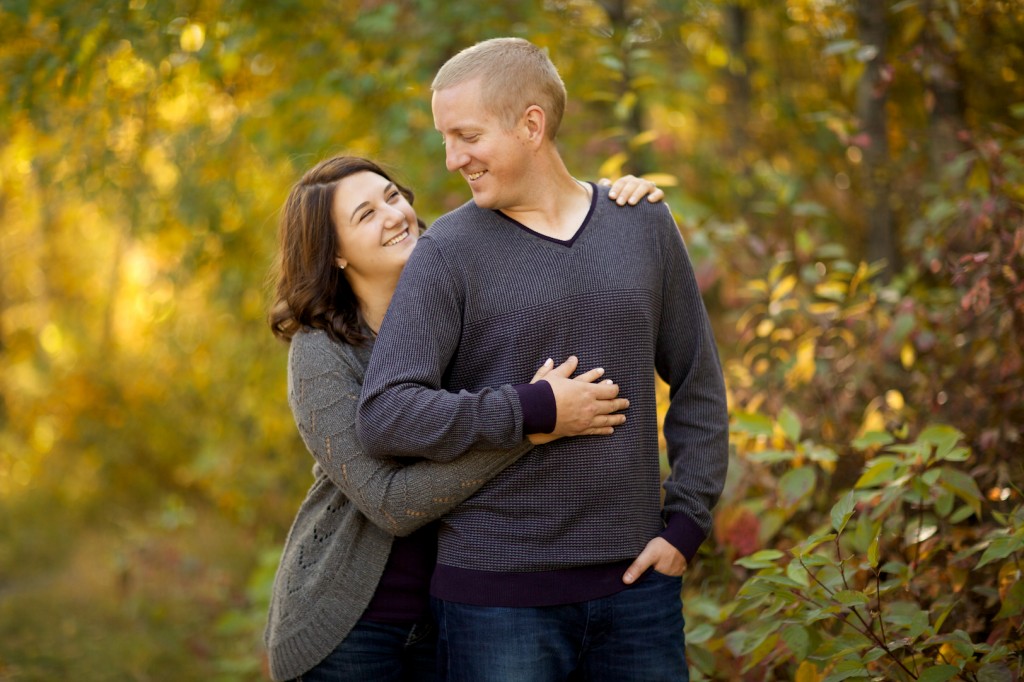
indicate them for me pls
(376, 228)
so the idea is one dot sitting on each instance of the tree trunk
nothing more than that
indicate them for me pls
(871, 98)
(945, 95)
(737, 147)
(640, 158)
(736, 28)
(3, 295)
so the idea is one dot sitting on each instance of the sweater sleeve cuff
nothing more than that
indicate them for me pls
(684, 534)
(538, 406)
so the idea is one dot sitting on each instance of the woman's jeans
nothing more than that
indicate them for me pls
(381, 652)
(635, 635)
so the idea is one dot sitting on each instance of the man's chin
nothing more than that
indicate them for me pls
(483, 201)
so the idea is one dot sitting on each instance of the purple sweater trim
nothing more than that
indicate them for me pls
(684, 534)
(540, 588)
(538, 405)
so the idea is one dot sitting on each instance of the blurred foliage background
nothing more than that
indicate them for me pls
(849, 176)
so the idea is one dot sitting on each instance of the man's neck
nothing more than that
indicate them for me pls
(557, 206)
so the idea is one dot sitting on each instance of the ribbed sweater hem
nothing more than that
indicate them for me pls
(535, 588)
(298, 653)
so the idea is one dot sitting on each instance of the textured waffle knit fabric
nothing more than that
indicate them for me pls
(339, 543)
(483, 302)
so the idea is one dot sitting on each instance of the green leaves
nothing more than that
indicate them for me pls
(902, 505)
(842, 511)
(1002, 545)
(848, 669)
(1013, 603)
(850, 598)
(790, 423)
(996, 672)
(939, 673)
(796, 484)
(801, 640)
(879, 471)
(944, 438)
(752, 423)
(873, 549)
(764, 559)
(964, 487)
(873, 438)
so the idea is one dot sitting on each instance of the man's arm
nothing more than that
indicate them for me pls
(323, 390)
(697, 421)
(404, 409)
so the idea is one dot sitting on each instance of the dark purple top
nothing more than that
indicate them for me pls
(402, 595)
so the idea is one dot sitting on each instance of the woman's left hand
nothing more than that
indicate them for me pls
(631, 189)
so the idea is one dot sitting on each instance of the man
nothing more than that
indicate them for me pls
(544, 574)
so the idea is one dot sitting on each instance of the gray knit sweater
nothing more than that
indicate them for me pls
(339, 542)
(482, 301)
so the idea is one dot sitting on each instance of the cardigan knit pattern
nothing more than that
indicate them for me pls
(482, 302)
(339, 543)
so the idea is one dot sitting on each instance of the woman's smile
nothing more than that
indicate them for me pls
(398, 238)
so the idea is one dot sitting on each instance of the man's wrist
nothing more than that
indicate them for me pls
(684, 534)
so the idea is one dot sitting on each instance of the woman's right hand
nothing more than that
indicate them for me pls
(582, 407)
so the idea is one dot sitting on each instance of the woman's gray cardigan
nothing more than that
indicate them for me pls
(340, 540)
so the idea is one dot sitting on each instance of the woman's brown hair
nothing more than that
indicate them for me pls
(311, 291)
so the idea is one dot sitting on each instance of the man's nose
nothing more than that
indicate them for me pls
(453, 158)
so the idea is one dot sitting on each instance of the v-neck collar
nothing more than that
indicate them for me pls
(561, 242)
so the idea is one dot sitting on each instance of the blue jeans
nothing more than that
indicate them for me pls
(636, 635)
(382, 652)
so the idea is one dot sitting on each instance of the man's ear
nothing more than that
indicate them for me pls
(535, 122)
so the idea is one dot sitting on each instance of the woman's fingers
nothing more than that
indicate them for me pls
(592, 375)
(563, 370)
(631, 189)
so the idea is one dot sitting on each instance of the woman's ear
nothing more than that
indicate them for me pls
(341, 262)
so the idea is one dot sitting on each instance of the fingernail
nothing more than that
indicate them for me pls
(549, 361)
(611, 195)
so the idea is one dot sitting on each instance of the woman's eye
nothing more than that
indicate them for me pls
(393, 196)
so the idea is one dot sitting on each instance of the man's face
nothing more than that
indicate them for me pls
(490, 157)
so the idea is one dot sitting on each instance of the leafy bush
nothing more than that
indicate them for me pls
(858, 539)
(902, 581)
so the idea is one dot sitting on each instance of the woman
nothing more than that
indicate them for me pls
(350, 598)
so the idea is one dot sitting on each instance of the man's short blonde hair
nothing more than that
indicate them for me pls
(515, 74)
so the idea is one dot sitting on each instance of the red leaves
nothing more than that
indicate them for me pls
(738, 529)
(978, 298)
